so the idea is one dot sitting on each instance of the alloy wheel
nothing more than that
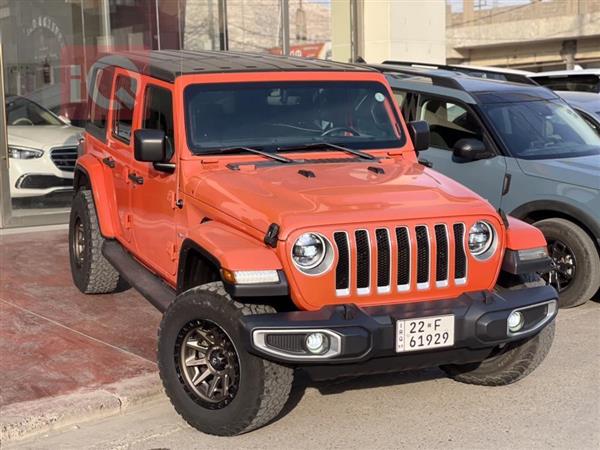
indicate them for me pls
(564, 265)
(208, 364)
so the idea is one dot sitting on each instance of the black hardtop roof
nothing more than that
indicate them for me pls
(170, 64)
(484, 89)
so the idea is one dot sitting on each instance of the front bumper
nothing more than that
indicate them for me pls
(363, 334)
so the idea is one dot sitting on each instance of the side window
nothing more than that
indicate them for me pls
(124, 102)
(407, 101)
(448, 122)
(158, 111)
(100, 101)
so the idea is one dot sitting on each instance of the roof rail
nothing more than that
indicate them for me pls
(438, 79)
(478, 72)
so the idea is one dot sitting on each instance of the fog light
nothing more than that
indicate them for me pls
(316, 343)
(515, 321)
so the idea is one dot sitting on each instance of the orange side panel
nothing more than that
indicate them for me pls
(233, 249)
(103, 194)
(521, 235)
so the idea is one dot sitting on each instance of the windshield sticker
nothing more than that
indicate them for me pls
(379, 97)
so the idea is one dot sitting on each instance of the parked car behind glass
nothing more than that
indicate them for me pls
(42, 149)
(525, 150)
(587, 104)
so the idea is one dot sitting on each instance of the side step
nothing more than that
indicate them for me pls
(144, 281)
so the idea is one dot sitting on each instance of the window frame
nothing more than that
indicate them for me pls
(147, 86)
(115, 106)
(100, 133)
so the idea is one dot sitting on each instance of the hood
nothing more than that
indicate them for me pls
(338, 193)
(582, 171)
(43, 136)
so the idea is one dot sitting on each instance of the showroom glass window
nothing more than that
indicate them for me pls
(124, 103)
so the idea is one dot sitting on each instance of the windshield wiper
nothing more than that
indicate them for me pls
(279, 158)
(328, 146)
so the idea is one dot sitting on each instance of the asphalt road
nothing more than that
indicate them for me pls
(558, 406)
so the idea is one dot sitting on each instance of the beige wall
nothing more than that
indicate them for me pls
(392, 29)
(340, 30)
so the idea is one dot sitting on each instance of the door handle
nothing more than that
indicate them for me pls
(426, 163)
(136, 178)
(108, 161)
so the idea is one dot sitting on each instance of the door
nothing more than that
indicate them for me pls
(449, 122)
(119, 157)
(153, 195)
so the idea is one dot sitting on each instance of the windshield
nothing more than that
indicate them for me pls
(279, 114)
(542, 130)
(20, 111)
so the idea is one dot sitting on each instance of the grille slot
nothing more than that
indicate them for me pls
(342, 270)
(383, 260)
(460, 257)
(64, 158)
(441, 261)
(363, 262)
(403, 278)
(413, 265)
(422, 257)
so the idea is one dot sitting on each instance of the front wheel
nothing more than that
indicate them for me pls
(507, 364)
(212, 382)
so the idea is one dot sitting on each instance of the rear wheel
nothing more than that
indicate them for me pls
(212, 382)
(91, 272)
(575, 261)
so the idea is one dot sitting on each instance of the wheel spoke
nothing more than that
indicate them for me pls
(194, 361)
(200, 376)
(205, 336)
(196, 345)
(213, 385)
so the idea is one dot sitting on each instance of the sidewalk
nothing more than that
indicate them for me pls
(65, 354)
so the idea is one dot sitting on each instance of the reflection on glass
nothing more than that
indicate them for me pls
(42, 149)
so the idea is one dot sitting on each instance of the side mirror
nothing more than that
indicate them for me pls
(149, 145)
(419, 134)
(471, 150)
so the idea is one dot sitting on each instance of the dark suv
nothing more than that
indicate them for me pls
(522, 148)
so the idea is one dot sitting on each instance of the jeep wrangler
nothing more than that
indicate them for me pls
(274, 210)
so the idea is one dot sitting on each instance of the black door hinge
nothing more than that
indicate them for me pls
(108, 161)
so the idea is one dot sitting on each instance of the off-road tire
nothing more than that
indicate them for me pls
(264, 386)
(587, 274)
(517, 359)
(94, 274)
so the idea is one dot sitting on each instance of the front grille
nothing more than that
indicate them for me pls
(386, 254)
(64, 158)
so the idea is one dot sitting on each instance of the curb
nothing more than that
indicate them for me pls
(26, 419)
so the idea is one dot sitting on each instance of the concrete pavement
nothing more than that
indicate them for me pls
(558, 406)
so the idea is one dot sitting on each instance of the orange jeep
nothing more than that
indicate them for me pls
(274, 210)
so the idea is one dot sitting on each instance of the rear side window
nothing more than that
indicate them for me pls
(158, 111)
(100, 101)
(448, 122)
(124, 102)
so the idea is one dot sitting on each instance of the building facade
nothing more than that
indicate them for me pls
(531, 35)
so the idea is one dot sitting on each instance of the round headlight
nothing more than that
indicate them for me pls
(481, 237)
(308, 251)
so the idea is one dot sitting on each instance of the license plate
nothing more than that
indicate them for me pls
(424, 333)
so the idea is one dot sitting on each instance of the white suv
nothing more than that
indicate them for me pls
(42, 149)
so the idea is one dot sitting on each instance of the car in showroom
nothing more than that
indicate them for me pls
(525, 150)
(42, 149)
(274, 210)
